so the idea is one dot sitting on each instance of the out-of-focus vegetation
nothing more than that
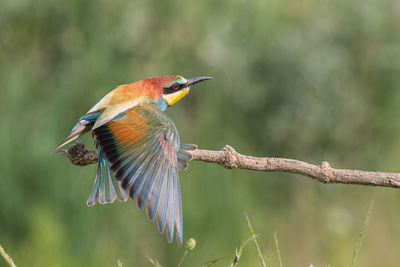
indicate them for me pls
(312, 80)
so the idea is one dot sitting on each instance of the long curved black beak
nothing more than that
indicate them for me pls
(195, 80)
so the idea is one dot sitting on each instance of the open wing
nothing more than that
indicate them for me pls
(142, 147)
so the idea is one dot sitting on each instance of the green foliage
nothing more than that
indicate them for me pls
(311, 80)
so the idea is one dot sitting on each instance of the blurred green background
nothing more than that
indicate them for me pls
(311, 80)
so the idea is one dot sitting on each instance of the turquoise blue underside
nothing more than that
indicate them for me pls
(162, 104)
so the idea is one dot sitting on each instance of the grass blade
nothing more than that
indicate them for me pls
(278, 253)
(209, 263)
(154, 262)
(7, 257)
(238, 253)
(361, 238)
(260, 256)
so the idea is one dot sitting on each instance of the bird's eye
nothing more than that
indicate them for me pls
(176, 86)
(172, 88)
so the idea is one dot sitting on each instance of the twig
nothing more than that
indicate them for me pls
(190, 245)
(183, 257)
(230, 159)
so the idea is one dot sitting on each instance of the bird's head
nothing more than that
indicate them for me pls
(176, 87)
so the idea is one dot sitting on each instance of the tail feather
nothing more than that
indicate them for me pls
(84, 125)
(105, 189)
(79, 130)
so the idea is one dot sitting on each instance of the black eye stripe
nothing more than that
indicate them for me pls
(168, 90)
(173, 88)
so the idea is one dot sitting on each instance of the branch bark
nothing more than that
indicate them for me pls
(230, 159)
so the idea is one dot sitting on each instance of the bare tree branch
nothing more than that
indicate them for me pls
(230, 159)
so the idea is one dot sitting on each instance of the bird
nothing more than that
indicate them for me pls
(139, 150)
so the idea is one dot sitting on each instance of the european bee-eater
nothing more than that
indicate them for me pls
(138, 148)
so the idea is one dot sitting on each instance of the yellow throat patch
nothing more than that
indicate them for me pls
(175, 97)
